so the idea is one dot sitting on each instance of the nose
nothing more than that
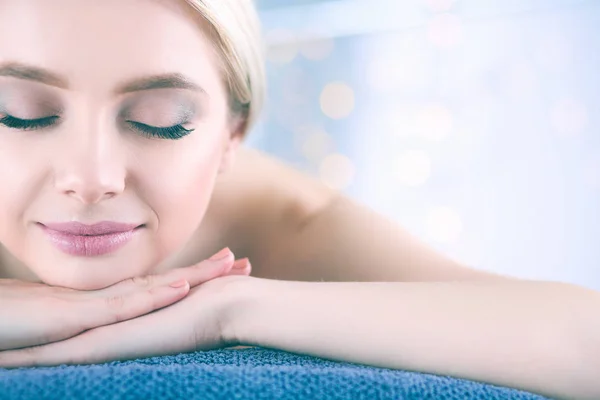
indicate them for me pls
(90, 170)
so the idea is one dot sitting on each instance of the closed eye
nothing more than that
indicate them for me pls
(28, 124)
(172, 132)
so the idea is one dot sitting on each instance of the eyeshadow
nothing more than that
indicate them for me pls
(160, 109)
(27, 103)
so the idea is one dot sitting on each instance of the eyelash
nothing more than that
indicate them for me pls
(172, 132)
(27, 124)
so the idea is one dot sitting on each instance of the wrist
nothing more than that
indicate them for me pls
(242, 295)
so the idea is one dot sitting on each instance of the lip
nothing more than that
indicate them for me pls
(83, 240)
(100, 228)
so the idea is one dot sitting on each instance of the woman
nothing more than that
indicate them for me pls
(122, 169)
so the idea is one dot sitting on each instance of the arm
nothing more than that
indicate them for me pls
(539, 337)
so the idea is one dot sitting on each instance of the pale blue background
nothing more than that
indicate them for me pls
(516, 101)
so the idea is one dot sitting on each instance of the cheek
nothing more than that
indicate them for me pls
(179, 190)
(21, 176)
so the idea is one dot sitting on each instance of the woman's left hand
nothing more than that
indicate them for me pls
(194, 323)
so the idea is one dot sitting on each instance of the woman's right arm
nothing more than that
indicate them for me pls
(33, 314)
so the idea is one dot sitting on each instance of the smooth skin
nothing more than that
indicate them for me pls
(325, 269)
(35, 314)
(540, 337)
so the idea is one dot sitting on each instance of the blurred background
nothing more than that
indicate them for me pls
(473, 123)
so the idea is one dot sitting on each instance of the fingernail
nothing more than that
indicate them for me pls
(221, 254)
(241, 263)
(178, 284)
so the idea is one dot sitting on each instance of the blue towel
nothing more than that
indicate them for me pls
(249, 373)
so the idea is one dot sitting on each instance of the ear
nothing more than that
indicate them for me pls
(236, 134)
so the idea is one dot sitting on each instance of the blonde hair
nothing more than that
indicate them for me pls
(235, 30)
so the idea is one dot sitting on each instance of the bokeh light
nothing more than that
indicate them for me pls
(487, 108)
(444, 224)
(313, 142)
(337, 171)
(413, 168)
(337, 100)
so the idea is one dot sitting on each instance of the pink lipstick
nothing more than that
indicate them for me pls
(78, 239)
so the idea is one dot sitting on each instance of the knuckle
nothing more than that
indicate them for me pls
(116, 308)
(115, 303)
(142, 281)
(152, 291)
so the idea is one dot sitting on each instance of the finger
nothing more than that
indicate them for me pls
(9, 284)
(241, 267)
(127, 340)
(16, 282)
(217, 265)
(109, 310)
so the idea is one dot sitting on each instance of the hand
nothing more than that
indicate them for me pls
(190, 325)
(35, 314)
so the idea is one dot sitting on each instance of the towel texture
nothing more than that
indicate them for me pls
(251, 373)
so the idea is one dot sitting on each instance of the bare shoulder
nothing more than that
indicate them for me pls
(293, 227)
(265, 181)
(258, 202)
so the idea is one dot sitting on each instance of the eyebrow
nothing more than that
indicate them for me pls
(30, 73)
(162, 81)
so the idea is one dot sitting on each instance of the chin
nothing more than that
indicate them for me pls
(83, 276)
(80, 283)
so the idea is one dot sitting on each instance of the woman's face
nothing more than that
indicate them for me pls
(110, 111)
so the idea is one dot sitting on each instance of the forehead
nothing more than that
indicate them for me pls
(97, 43)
